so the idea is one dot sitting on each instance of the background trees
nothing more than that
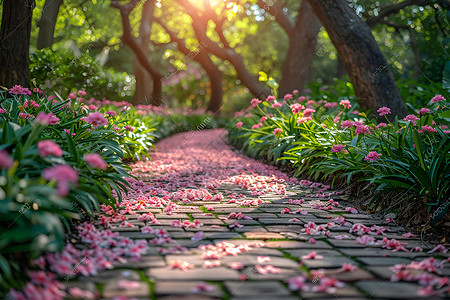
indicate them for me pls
(208, 53)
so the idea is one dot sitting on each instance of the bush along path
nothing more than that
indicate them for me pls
(202, 221)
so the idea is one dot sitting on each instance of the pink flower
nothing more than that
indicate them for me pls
(24, 115)
(312, 255)
(72, 96)
(295, 92)
(263, 119)
(384, 111)
(427, 128)
(270, 98)
(147, 229)
(239, 124)
(63, 175)
(31, 104)
(297, 108)
(411, 118)
(2, 111)
(362, 129)
(423, 111)
(255, 102)
(92, 107)
(330, 104)
(287, 97)
(111, 113)
(48, 147)
(365, 240)
(381, 125)
(337, 148)
(236, 265)
(345, 104)
(308, 112)
(269, 269)
(203, 287)
(347, 124)
(95, 161)
(277, 104)
(372, 156)
(262, 259)
(439, 248)
(437, 98)
(256, 126)
(348, 268)
(96, 119)
(182, 265)
(81, 93)
(5, 160)
(198, 236)
(298, 283)
(19, 90)
(47, 119)
(129, 128)
(277, 130)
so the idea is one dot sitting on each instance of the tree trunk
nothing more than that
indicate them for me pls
(138, 51)
(47, 23)
(15, 42)
(143, 90)
(303, 40)
(368, 69)
(215, 79)
(202, 57)
(340, 70)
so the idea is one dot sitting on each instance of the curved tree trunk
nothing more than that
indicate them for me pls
(368, 69)
(303, 40)
(202, 57)
(215, 78)
(47, 23)
(15, 42)
(143, 91)
(128, 39)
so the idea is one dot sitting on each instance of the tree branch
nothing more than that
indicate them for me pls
(280, 17)
(393, 9)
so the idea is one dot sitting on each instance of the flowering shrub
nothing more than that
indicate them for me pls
(58, 162)
(327, 140)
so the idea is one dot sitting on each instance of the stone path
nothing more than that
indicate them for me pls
(223, 226)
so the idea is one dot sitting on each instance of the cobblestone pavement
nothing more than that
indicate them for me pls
(231, 230)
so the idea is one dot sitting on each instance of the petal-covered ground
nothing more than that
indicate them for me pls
(203, 221)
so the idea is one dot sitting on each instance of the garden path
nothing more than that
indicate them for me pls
(235, 228)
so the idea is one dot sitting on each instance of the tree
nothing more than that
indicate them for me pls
(368, 69)
(128, 39)
(302, 40)
(200, 19)
(15, 42)
(47, 23)
(202, 57)
(143, 88)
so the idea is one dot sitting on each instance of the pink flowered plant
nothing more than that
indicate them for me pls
(312, 255)
(19, 90)
(47, 119)
(64, 175)
(384, 111)
(95, 161)
(255, 102)
(6, 160)
(345, 103)
(277, 104)
(438, 98)
(337, 148)
(277, 131)
(270, 98)
(49, 148)
(372, 156)
(239, 124)
(96, 119)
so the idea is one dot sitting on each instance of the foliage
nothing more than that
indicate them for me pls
(327, 139)
(52, 69)
(35, 205)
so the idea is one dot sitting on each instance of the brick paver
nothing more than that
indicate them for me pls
(265, 267)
